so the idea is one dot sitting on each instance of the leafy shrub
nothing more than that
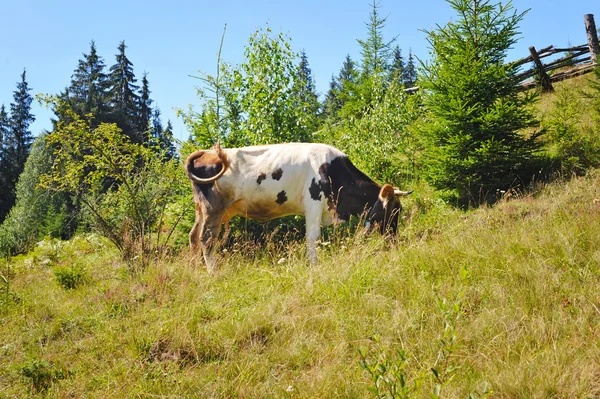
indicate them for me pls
(41, 374)
(70, 277)
(126, 188)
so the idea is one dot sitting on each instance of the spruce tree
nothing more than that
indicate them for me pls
(307, 98)
(123, 96)
(4, 126)
(145, 108)
(396, 69)
(409, 74)
(161, 137)
(476, 112)
(331, 104)
(20, 119)
(167, 142)
(17, 142)
(4, 166)
(347, 83)
(375, 51)
(89, 84)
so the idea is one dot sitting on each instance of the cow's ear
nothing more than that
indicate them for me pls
(387, 194)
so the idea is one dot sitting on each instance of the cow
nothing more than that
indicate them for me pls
(265, 182)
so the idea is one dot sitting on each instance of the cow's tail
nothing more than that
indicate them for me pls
(221, 158)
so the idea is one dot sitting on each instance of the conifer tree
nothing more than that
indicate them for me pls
(409, 75)
(163, 137)
(4, 169)
(375, 51)
(145, 108)
(4, 125)
(307, 98)
(89, 84)
(123, 96)
(17, 142)
(476, 111)
(331, 104)
(167, 141)
(397, 66)
(347, 83)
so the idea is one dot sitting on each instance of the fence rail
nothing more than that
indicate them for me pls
(578, 60)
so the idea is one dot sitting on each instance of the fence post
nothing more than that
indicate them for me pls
(592, 35)
(545, 81)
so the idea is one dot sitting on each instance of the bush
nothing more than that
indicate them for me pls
(41, 374)
(70, 277)
(126, 188)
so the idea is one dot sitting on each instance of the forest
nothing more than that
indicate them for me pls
(488, 287)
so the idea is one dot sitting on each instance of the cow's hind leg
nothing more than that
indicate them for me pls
(195, 235)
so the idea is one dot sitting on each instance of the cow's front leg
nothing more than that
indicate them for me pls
(209, 232)
(313, 232)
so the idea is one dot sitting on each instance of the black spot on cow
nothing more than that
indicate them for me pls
(276, 175)
(281, 197)
(261, 177)
(315, 190)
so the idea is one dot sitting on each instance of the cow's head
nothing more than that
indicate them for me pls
(386, 210)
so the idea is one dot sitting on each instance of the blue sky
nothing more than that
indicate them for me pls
(173, 40)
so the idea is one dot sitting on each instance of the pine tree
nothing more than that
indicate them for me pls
(347, 83)
(167, 142)
(375, 51)
(4, 126)
(145, 108)
(396, 69)
(17, 142)
(409, 75)
(331, 104)
(163, 138)
(123, 96)
(4, 167)
(348, 73)
(476, 111)
(307, 98)
(20, 119)
(89, 84)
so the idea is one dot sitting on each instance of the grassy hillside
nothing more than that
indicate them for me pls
(501, 301)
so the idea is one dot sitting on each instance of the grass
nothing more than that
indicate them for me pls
(501, 302)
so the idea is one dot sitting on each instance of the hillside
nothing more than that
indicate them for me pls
(500, 300)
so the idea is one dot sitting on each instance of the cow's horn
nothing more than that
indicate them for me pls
(224, 165)
(208, 180)
(402, 193)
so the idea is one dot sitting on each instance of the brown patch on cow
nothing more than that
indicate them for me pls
(261, 177)
(281, 197)
(276, 175)
(262, 210)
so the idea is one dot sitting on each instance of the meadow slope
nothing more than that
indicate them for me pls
(500, 301)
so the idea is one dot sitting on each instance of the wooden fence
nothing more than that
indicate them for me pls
(577, 60)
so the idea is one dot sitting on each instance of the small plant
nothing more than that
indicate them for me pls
(70, 277)
(445, 370)
(388, 374)
(5, 277)
(41, 374)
